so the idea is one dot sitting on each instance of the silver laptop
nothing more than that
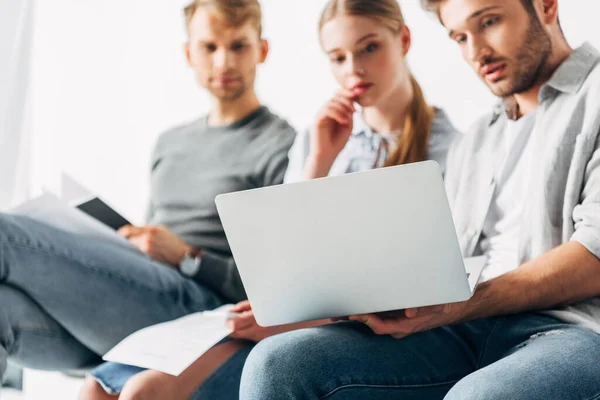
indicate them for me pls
(367, 242)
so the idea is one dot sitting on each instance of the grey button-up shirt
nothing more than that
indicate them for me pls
(563, 199)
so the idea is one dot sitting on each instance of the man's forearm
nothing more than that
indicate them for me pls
(566, 275)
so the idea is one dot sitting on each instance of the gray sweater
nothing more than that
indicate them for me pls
(194, 163)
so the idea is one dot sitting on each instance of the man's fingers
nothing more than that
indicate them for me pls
(371, 320)
(340, 319)
(242, 321)
(423, 311)
(251, 333)
(142, 242)
(382, 327)
(127, 231)
(237, 335)
(398, 336)
(391, 314)
(242, 306)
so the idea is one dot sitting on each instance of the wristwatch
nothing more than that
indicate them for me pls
(190, 264)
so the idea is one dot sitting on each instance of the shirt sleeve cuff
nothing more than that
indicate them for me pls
(589, 238)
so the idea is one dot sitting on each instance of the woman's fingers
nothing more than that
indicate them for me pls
(345, 103)
(338, 113)
(348, 94)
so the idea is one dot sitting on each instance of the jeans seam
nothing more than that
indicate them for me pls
(596, 397)
(3, 267)
(93, 269)
(484, 344)
(367, 386)
(7, 339)
(34, 332)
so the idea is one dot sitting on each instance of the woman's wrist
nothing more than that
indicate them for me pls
(318, 166)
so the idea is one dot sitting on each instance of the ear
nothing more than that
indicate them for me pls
(264, 50)
(406, 39)
(549, 9)
(188, 56)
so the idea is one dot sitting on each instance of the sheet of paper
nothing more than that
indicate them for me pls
(474, 267)
(171, 347)
(71, 190)
(49, 209)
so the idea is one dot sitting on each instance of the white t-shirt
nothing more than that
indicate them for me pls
(500, 237)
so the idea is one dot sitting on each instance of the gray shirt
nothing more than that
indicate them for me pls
(194, 163)
(563, 176)
(367, 149)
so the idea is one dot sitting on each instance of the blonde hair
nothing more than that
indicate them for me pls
(233, 12)
(414, 141)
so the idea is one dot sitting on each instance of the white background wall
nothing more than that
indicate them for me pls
(16, 22)
(109, 75)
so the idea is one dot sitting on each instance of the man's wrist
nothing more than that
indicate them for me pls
(185, 252)
(195, 253)
(190, 263)
(487, 301)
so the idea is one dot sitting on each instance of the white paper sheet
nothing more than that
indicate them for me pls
(171, 347)
(71, 190)
(49, 209)
(474, 267)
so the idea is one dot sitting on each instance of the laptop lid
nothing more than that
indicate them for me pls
(359, 243)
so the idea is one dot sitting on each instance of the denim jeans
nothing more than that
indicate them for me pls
(528, 356)
(66, 299)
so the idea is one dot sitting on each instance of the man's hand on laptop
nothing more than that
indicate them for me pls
(400, 324)
(245, 327)
(157, 242)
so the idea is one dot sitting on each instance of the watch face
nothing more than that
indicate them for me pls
(189, 266)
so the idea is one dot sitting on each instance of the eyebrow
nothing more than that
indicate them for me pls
(362, 39)
(475, 15)
(237, 40)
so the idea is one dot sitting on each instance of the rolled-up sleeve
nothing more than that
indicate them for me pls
(586, 215)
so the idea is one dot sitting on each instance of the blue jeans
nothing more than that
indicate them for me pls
(516, 357)
(65, 299)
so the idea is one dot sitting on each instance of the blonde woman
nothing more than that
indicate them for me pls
(379, 117)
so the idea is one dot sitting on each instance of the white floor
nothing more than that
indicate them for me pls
(45, 386)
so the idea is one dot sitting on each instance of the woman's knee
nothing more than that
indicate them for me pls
(153, 385)
(92, 390)
(139, 388)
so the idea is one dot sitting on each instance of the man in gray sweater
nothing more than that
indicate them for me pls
(65, 299)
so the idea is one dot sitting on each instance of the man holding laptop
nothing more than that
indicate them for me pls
(524, 187)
